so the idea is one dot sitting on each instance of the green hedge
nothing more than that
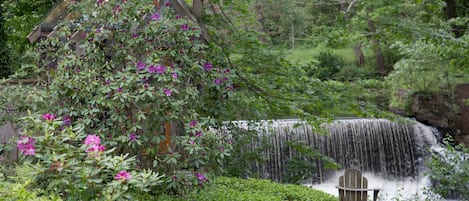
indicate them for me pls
(234, 189)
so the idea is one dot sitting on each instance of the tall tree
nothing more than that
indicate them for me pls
(4, 68)
(381, 65)
(346, 8)
(455, 9)
(283, 22)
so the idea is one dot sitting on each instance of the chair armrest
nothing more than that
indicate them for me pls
(375, 191)
(358, 189)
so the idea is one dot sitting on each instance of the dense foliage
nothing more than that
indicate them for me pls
(234, 189)
(449, 172)
(20, 17)
(4, 54)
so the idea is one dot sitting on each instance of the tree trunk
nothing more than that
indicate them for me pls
(357, 47)
(261, 19)
(379, 56)
(450, 13)
(381, 65)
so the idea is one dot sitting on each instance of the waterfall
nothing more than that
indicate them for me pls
(380, 146)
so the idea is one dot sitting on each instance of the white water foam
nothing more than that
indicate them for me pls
(407, 189)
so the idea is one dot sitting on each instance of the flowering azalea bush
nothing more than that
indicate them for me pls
(124, 74)
(75, 165)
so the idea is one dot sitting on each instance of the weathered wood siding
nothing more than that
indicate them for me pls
(7, 131)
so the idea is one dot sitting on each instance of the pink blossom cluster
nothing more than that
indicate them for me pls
(94, 143)
(122, 176)
(26, 145)
(201, 177)
(48, 117)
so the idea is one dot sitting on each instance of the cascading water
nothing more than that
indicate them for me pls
(380, 146)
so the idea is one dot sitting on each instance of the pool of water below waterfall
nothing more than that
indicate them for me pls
(404, 189)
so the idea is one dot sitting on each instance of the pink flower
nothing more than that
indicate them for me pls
(174, 75)
(92, 140)
(198, 134)
(218, 81)
(26, 145)
(201, 177)
(133, 137)
(184, 27)
(160, 69)
(122, 176)
(48, 117)
(155, 17)
(66, 121)
(96, 148)
(208, 66)
(141, 65)
(193, 123)
(168, 92)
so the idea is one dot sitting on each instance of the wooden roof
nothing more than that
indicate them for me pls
(48, 26)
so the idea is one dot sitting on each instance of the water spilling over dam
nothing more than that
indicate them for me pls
(380, 146)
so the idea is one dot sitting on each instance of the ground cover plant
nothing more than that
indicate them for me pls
(224, 188)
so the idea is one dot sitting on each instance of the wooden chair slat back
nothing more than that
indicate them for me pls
(353, 179)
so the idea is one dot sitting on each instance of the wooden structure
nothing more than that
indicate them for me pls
(49, 26)
(354, 187)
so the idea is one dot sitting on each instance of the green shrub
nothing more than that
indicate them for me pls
(62, 161)
(233, 189)
(449, 172)
(328, 64)
(16, 187)
(239, 164)
(19, 192)
(355, 73)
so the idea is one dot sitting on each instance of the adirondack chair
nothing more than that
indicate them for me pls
(354, 187)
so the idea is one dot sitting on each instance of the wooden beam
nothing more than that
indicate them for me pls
(197, 8)
(164, 145)
(34, 35)
(21, 81)
(56, 13)
(183, 9)
(167, 133)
